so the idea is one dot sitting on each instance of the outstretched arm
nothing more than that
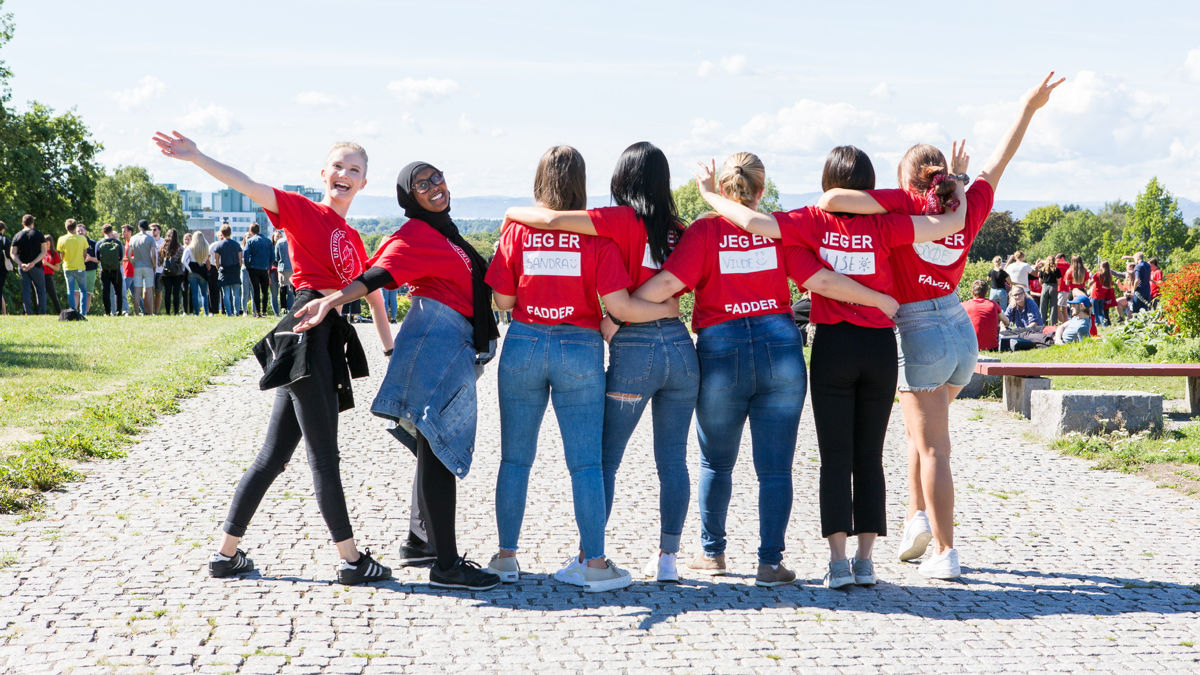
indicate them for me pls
(178, 146)
(542, 218)
(314, 312)
(842, 288)
(1034, 99)
(739, 214)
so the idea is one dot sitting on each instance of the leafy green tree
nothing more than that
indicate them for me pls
(690, 205)
(1155, 223)
(1077, 233)
(129, 195)
(999, 236)
(1038, 222)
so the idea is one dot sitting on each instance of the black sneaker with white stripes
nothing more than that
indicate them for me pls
(363, 571)
(224, 566)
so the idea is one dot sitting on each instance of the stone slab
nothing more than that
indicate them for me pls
(1089, 411)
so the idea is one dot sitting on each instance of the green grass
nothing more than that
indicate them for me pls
(82, 390)
(1102, 351)
(1130, 453)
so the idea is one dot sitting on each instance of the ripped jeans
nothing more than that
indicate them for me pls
(653, 363)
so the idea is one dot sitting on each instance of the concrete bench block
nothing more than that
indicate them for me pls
(982, 385)
(1017, 390)
(1057, 413)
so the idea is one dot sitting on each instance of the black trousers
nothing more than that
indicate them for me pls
(260, 290)
(172, 291)
(113, 279)
(853, 384)
(308, 409)
(436, 491)
(52, 294)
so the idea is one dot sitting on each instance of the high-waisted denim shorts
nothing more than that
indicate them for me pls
(937, 344)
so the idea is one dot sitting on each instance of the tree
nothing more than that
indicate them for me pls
(1155, 224)
(999, 236)
(1038, 222)
(690, 205)
(129, 195)
(1081, 233)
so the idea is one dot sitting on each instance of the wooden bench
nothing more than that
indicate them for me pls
(1016, 393)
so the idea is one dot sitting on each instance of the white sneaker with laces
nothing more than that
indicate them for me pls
(942, 565)
(572, 572)
(839, 575)
(506, 568)
(607, 578)
(917, 535)
(663, 567)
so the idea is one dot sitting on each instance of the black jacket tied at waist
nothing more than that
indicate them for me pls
(285, 355)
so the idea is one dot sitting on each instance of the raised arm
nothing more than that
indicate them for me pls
(542, 218)
(178, 146)
(929, 228)
(1034, 99)
(739, 214)
(844, 289)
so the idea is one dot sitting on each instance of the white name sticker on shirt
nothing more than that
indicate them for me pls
(937, 254)
(849, 262)
(745, 262)
(648, 259)
(552, 263)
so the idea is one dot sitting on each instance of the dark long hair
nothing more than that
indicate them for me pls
(170, 245)
(848, 167)
(642, 181)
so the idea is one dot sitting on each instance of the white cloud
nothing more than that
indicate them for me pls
(465, 124)
(361, 129)
(920, 132)
(212, 120)
(317, 99)
(148, 88)
(727, 65)
(881, 91)
(1191, 65)
(415, 91)
(810, 127)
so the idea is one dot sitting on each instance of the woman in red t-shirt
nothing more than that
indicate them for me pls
(50, 265)
(553, 351)
(938, 349)
(854, 351)
(647, 361)
(751, 359)
(311, 385)
(1102, 294)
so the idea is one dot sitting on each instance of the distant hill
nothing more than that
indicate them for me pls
(492, 207)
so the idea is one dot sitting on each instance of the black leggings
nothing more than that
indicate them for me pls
(52, 294)
(260, 286)
(172, 288)
(436, 490)
(853, 377)
(306, 408)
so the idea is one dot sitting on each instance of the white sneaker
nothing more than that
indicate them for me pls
(917, 534)
(942, 565)
(662, 567)
(507, 569)
(607, 578)
(572, 572)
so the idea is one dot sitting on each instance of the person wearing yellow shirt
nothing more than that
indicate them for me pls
(73, 248)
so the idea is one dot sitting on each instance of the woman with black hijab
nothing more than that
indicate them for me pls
(446, 337)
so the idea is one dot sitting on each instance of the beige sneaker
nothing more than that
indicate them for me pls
(714, 567)
(774, 575)
(506, 568)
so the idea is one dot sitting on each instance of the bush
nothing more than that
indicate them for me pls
(972, 272)
(1180, 295)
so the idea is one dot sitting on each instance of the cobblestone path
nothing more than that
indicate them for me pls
(1065, 568)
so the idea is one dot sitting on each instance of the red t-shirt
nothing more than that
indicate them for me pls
(420, 256)
(1071, 282)
(985, 319)
(1062, 266)
(622, 225)
(1099, 290)
(736, 274)
(325, 251)
(857, 246)
(556, 276)
(52, 258)
(933, 269)
(1156, 278)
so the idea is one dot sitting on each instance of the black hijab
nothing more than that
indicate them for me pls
(484, 321)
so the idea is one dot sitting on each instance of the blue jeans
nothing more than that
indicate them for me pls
(751, 367)
(999, 296)
(566, 365)
(33, 291)
(232, 295)
(653, 362)
(198, 287)
(389, 302)
(76, 281)
(134, 297)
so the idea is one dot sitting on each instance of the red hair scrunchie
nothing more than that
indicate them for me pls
(933, 205)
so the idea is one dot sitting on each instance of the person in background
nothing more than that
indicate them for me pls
(1077, 328)
(273, 274)
(187, 273)
(1018, 270)
(1021, 312)
(170, 255)
(1156, 278)
(91, 267)
(1141, 290)
(258, 257)
(51, 264)
(1064, 293)
(283, 259)
(73, 247)
(6, 266)
(985, 315)
(1049, 275)
(226, 256)
(110, 253)
(28, 252)
(142, 251)
(998, 279)
(1102, 293)
(197, 257)
(247, 287)
(156, 232)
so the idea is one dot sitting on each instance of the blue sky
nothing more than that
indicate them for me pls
(482, 89)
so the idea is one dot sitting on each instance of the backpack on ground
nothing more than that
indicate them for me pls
(71, 315)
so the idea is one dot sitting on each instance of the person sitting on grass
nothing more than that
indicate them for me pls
(1077, 327)
(1022, 312)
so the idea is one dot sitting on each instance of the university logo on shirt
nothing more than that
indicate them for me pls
(345, 259)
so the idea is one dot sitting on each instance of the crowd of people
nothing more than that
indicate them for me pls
(1055, 301)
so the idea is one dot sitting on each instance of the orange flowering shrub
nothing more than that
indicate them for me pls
(1180, 296)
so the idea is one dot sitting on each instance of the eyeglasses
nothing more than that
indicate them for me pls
(422, 186)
